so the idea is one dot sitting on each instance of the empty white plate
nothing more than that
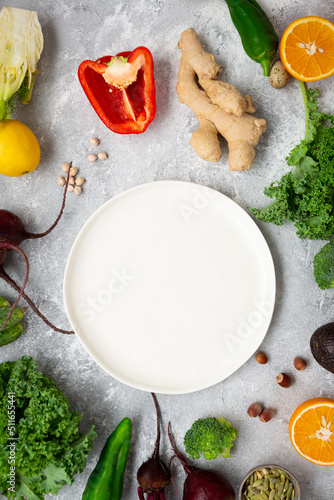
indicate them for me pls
(170, 286)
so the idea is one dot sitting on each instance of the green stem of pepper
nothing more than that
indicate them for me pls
(106, 480)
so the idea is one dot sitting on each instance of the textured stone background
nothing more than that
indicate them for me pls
(63, 122)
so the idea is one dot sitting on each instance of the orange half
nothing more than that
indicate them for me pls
(307, 48)
(311, 430)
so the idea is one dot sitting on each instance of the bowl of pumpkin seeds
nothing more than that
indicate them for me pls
(269, 482)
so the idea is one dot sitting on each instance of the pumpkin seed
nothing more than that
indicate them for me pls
(268, 484)
(258, 482)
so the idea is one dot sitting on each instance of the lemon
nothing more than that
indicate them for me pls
(19, 149)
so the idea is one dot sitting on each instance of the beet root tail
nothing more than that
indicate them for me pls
(7, 245)
(156, 495)
(16, 287)
(48, 231)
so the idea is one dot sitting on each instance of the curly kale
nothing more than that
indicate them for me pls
(48, 449)
(210, 436)
(304, 196)
(324, 266)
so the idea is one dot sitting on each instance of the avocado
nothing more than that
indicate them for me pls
(322, 346)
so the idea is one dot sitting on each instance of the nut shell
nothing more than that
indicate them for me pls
(254, 410)
(299, 363)
(284, 380)
(261, 358)
(267, 415)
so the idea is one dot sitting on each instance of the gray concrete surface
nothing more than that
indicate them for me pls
(63, 121)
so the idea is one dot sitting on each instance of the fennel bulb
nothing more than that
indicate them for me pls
(21, 44)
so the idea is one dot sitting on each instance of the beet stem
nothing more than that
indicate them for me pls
(12, 283)
(8, 245)
(41, 235)
(172, 479)
(157, 442)
(187, 467)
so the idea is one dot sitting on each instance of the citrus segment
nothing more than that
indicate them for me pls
(311, 430)
(307, 48)
(19, 149)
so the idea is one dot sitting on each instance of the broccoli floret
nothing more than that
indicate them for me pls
(324, 266)
(210, 436)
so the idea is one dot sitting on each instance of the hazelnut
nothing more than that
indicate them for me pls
(267, 414)
(91, 157)
(284, 380)
(65, 167)
(94, 141)
(61, 181)
(261, 358)
(102, 156)
(299, 363)
(254, 410)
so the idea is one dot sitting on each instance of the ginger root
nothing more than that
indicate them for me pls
(218, 106)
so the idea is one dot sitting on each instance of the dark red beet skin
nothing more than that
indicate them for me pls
(206, 485)
(153, 475)
(11, 227)
(201, 484)
(12, 234)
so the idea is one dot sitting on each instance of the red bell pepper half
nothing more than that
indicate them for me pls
(121, 89)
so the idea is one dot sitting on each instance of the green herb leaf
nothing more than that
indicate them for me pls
(305, 195)
(49, 449)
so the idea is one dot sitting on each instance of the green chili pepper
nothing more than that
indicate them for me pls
(106, 480)
(258, 36)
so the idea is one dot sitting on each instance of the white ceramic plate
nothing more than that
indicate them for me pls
(170, 286)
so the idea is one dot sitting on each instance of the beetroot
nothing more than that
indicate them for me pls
(201, 484)
(12, 234)
(153, 475)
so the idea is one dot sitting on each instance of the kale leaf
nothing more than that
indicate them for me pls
(49, 449)
(304, 196)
